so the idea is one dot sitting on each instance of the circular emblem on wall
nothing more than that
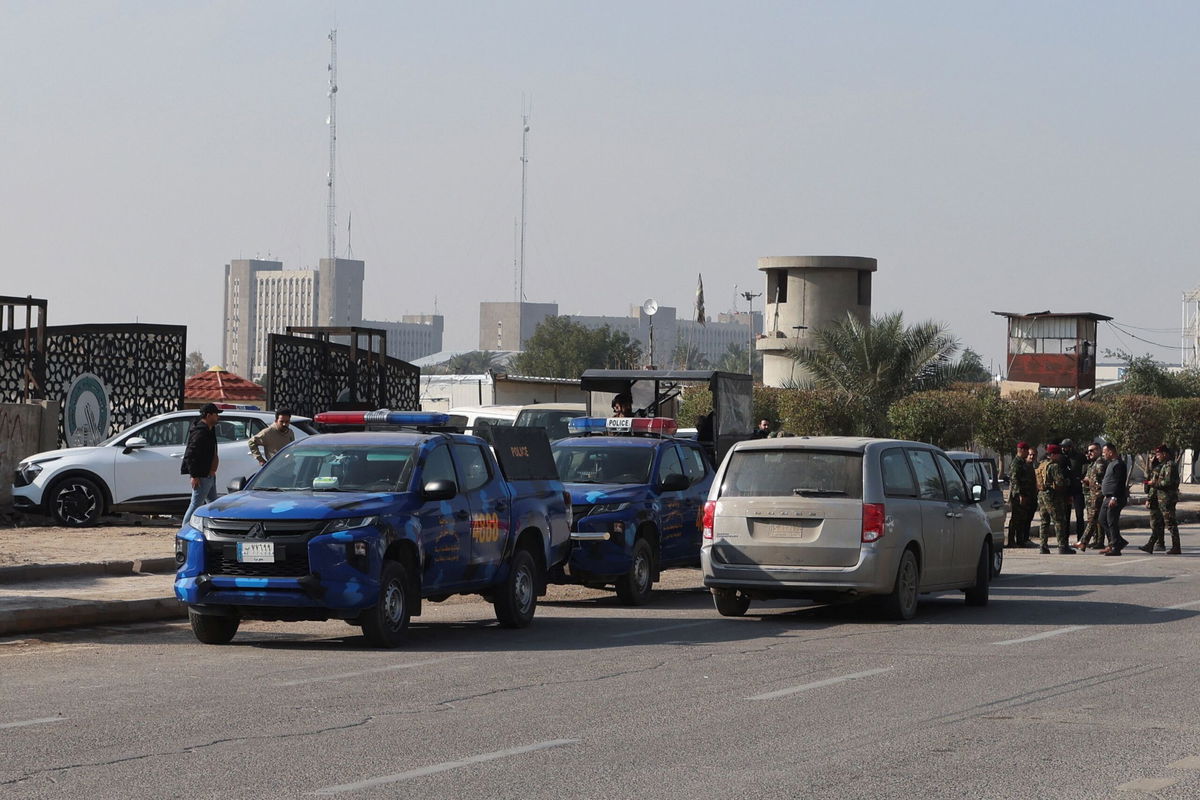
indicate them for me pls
(86, 411)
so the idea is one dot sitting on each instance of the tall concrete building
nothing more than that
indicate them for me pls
(262, 298)
(803, 294)
(507, 326)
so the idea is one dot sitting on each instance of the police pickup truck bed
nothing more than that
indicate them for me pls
(363, 526)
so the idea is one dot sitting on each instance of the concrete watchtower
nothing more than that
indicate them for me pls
(804, 293)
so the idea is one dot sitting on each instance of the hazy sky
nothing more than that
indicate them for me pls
(992, 156)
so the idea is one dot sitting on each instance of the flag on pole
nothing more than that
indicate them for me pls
(700, 299)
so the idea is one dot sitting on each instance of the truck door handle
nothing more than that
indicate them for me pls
(501, 506)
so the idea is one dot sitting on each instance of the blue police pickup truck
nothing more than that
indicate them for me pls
(362, 526)
(636, 495)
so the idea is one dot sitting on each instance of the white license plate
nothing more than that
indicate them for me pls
(256, 552)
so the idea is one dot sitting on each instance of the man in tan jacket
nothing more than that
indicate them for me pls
(273, 438)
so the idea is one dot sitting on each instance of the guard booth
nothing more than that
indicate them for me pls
(655, 393)
(1052, 350)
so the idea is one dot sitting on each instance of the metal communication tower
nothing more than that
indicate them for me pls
(1190, 350)
(520, 282)
(331, 176)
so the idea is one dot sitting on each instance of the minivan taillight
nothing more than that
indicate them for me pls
(706, 523)
(872, 525)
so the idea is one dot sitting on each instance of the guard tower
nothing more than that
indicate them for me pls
(804, 293)
(1052, 351)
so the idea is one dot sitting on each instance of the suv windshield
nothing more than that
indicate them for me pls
(794, 473)
(590, 464)
(352, 468)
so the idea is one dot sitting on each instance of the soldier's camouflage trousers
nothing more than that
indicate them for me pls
(1052, 508)
(1019, 520)
(1162, 519)
(1093, 535)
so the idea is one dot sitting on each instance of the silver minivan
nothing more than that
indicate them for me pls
(841, 517)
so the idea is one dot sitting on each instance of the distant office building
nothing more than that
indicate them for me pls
(507, 326)
(261, 298)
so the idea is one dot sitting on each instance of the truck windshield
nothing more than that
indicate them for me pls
(554, 421)
(354, 468)
(578, 464)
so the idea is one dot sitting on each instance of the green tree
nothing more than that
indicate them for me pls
(475, 362)
(560, 348)
(1142, 375)
(1183, 424)
(872, 365)
(687, 356)
(734, 360)
(1136, 423)
(195, 364)
(943, 418)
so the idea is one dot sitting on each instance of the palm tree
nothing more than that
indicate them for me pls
(474, 362)
(874, 364)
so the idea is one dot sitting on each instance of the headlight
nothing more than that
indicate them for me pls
(31, 470)
(609, 508)
(348, 524)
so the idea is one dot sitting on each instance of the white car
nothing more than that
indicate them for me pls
(136, 470)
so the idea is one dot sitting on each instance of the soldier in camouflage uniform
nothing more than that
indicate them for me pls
(1162, 493)
(1052, 499)
(1022, 498)
(1093, 536)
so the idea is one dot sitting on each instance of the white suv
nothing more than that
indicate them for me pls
(136, 470)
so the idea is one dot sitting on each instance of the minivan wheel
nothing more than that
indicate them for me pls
(977, 595)
(901, 603)
(730, 602)
(997, 561)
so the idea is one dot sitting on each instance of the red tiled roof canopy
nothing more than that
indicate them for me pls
(216, 384)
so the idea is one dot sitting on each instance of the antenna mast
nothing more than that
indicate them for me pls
(332, 121)
(524, 171)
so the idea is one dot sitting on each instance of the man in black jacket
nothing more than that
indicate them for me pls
(200, 459)
(1115, 488)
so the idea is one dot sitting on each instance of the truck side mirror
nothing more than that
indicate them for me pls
(976, 492)
(236, 485)
(674, 482)
(439, 490)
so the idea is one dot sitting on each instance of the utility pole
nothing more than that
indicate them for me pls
(750, 355)
(331, 176)
(520, 287)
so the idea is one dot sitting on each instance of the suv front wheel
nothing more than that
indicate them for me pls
(76, 501)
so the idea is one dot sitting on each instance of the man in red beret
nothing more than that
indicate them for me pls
(1052, 499)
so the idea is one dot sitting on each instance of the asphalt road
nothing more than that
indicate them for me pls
(1076, 681)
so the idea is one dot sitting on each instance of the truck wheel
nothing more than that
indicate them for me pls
(901, 603)
(633, 588)
(516, 598)
(998, 560)
(76, 501)
(213, 629)
(386, 623)
(977, 595)
(730, 602)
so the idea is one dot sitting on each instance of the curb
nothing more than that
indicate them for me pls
(36, 572)
(90, 613)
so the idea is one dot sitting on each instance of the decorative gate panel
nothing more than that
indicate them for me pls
(310, 375)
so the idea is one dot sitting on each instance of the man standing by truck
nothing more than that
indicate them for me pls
(200, 459)
(1022, 498)
(273, 438)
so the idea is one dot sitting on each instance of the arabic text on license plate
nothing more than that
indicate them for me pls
(256, 552)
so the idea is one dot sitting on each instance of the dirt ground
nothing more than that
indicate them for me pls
(33, 540)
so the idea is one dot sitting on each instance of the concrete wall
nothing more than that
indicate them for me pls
(25, 429)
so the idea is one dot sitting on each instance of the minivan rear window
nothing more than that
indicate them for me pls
(793, 473)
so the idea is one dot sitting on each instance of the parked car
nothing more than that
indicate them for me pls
(479, 420)
(982, 471)
(364, 527)
(636, 493)
(137, 469)
(554, 417)
(841, 517)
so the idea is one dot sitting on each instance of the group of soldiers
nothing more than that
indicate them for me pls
(1093, 484)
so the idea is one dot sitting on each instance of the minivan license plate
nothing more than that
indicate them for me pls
(256, 552)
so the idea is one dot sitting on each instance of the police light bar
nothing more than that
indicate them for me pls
(383, 416)
(582, 426)
(236, 407)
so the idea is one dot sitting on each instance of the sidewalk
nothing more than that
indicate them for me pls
(55, 578)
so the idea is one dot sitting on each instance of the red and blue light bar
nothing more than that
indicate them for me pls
(583, 426)
(383, 416)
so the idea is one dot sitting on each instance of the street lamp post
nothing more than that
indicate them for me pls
(750, 355)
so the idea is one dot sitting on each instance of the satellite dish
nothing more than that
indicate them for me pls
(650, 307)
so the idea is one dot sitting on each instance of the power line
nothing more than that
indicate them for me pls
(1139, 338)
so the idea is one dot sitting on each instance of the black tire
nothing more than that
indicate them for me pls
(977, 595)
(997, 560)
(901, 603)
(75, 502)
(516, 597)
(634, 587)
(213, 629)
(730, 602)
(386, 624)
